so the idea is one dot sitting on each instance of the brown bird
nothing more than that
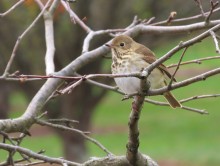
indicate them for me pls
(129, 56)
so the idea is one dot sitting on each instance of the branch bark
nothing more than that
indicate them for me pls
(132, 155)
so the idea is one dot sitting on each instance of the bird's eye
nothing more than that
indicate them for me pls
(122, 44)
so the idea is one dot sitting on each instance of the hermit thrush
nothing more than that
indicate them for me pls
(129, 56)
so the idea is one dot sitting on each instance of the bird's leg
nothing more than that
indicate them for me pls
(125, 97)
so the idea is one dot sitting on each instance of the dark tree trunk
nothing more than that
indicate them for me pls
(4, 100)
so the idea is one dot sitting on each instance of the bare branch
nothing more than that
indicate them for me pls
(36, 155)
(92, 34)
(215, 41)
(179, 47)
(186, 82)
(132, 154)
(108, 87)
(115, 89)
(49, 38)
(199, 4)
(39, 3)
(62, 127)
(74, 18)
(185, 19)
(134, 22)
(12, 8)
(53, 6)
(198, 61)
(63, 120)
(199, 97)
(170, 29)
(183, 107)
(177, 68)
(71, 87)
(213, 6)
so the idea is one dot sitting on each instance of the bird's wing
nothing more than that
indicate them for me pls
(149, 57)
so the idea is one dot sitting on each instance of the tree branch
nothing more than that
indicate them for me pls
(74, 18)
(118, 161)
(177, 67)
(49, 38)
(182, 45)
(132, 154)
(12, 8)
(62, 127)
(199, 4)
(36, 155)
(198, 61)
(213, 6)
(215, 41)
(186, 82)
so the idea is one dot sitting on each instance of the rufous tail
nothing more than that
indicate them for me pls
(171, 100)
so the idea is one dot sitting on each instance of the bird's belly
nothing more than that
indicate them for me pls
(130, 85)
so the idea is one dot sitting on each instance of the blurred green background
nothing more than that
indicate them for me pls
(171, 137)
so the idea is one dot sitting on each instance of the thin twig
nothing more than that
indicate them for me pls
(213, 6)
(199, 4)
(115, 89)
(199, 97)
(59, 126)
(71, 87)
(36, 155)
(92, 34)
(89, 76)
(75, 18)
(102, 85)
(185, 82)
(182, 45)
(40, 4)
(12, 8)
(177, 68)
(134, 22)
(185, 19)
(6, 136)
(62, 127)
(215, 41)
(63, 120)
(196, 110)
(27, 158)
(197, 61)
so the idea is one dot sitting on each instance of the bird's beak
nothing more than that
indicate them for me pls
(109, 45)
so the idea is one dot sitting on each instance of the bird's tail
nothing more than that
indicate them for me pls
(172, 100)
